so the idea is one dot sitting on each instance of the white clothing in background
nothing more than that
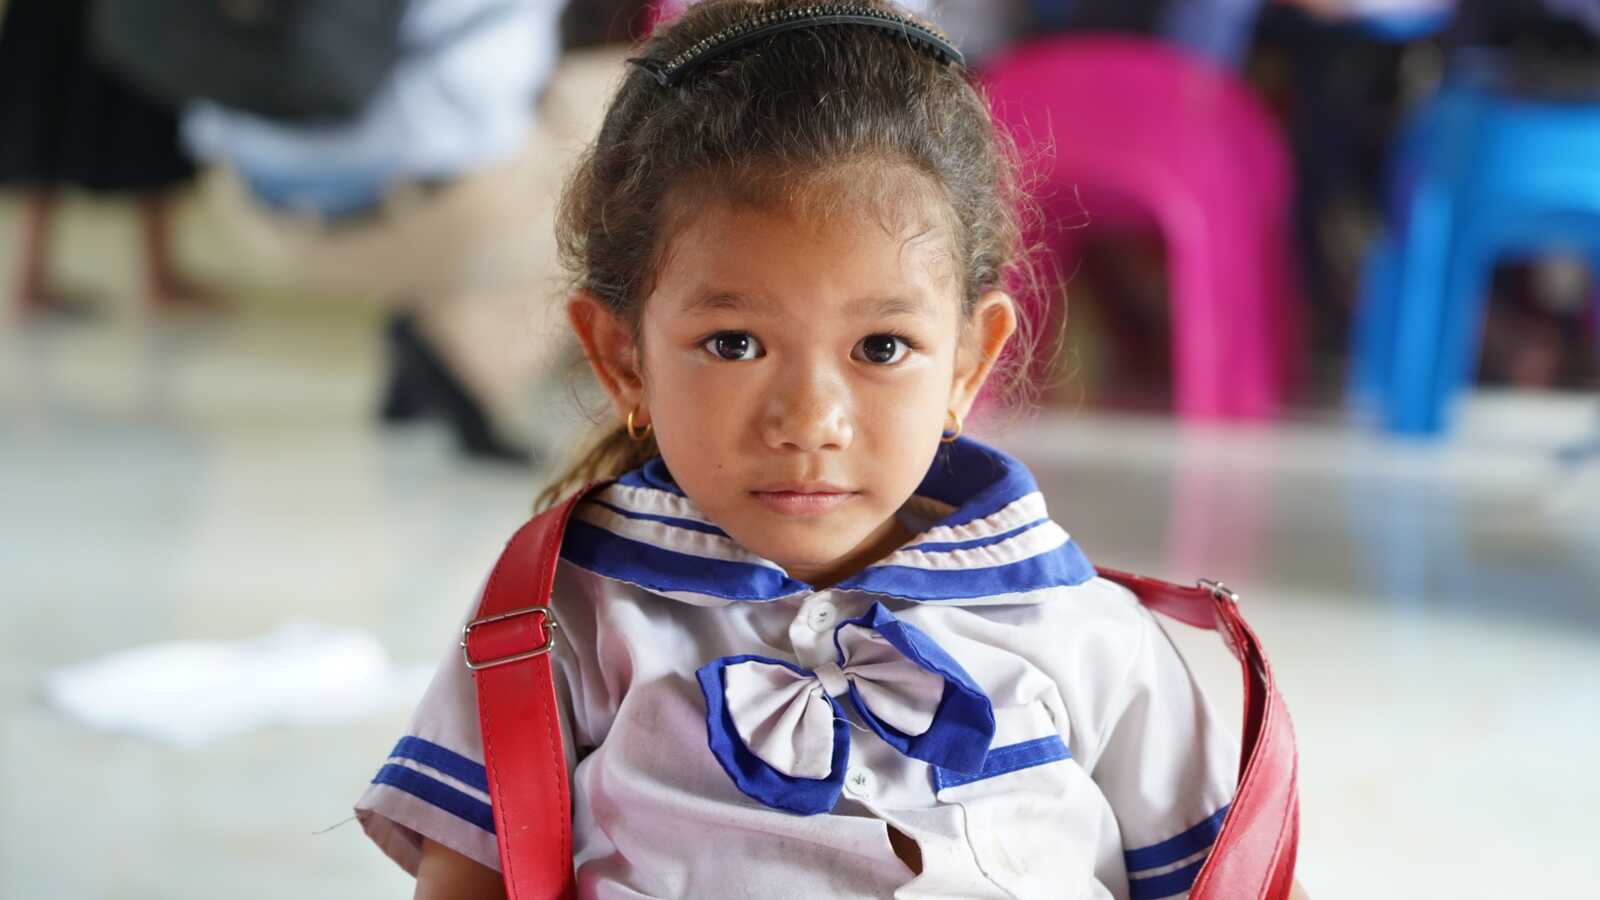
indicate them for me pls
(451, 105)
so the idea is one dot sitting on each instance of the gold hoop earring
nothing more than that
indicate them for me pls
(949, 437)
(637, 436)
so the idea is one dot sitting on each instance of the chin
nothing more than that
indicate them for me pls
(814, 545)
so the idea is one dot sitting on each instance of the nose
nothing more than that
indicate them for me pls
(808, 411)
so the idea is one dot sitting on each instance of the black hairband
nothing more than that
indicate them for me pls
(770, 23)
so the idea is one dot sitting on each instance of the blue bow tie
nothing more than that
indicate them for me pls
(781, 733)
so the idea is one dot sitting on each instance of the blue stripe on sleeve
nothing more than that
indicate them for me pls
(462, 805)
(1169, 885)
(1173, 849)
(444, 759)
(1002, 760)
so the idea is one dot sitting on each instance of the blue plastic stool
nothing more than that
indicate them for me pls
(1479, 176)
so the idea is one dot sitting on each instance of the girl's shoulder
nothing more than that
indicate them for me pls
(1096, 626)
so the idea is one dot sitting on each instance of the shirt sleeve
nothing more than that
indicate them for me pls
(1167, 767)
(433, 783)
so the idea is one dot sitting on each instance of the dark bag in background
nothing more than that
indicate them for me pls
(289, 60)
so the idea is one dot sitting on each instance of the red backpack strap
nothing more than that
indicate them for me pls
(1253, 857)
(507, 645)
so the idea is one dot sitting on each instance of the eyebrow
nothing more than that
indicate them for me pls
(717, 301)
(863, 308)
(884, 307)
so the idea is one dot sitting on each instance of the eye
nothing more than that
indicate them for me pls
(733, 346)
(882, 349)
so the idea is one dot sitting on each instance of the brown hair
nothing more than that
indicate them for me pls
(788, 120)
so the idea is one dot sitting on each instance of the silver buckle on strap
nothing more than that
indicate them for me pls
(550, 626)
(1218, 590)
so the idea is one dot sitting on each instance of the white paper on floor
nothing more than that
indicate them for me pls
(191, 692)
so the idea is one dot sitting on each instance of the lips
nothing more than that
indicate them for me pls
(803, 498)
(802, 487)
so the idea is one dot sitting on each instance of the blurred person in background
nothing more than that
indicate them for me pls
(1347, 73)
(406, 197)
(1337, 73)
(1556, 39)
(1543, 51)
(66, 121)
(1218, 30)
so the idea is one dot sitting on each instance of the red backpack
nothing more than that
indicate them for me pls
(506, 645)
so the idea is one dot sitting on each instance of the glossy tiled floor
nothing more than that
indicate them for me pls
(1433, 613)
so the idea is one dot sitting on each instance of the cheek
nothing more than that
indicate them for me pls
(905, 423)
(927, 395)
(907, 410)
(692, 403)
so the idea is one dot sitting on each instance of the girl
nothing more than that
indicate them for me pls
(812, 642)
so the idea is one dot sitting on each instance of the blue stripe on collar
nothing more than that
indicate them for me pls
(652, 474)
(947, 546)
(665, 571)
(649, 534)
(976, 479)
(1061, 567)
(668, 572)
(674, 521)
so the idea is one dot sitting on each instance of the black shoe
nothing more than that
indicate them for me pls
(404, 400)
(422, 384)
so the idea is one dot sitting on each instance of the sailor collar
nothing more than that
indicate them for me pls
(990, 541)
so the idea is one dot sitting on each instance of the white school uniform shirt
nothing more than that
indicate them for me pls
(732, 732)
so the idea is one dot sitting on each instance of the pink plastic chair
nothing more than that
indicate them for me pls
(1187, 143)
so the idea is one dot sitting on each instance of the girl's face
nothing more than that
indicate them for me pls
(799, 375)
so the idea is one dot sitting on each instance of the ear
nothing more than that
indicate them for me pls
(613, 353)
(993, 322)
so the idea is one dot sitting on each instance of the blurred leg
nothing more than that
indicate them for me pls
(33, 284)
(166, 287)
(423, 380)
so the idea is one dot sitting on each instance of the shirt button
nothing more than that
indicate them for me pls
(822, 616)
(859, 783)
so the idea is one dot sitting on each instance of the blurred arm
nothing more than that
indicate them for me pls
(444, 874)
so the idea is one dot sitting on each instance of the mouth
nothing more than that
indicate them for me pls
(803, 499)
